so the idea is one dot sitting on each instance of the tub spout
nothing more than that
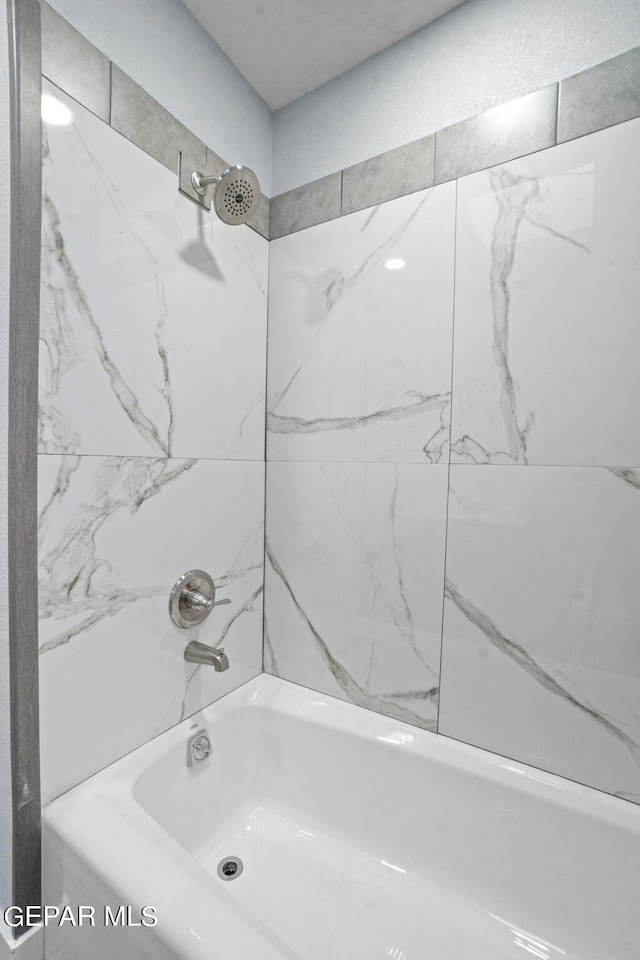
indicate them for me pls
(197, 652)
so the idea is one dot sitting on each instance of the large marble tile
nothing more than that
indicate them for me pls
(115, 535)
(354, 569)
(540, 647)
(153, 313)
(359, 353)
(546, 319)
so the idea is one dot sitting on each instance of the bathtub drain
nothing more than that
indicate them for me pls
(230, 868)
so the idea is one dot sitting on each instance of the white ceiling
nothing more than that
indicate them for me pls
(286, 48)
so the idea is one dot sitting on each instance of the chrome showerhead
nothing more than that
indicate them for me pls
(236, 196)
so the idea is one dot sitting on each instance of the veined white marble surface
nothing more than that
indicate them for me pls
(359, 363)
(115, 535)
(153, 351)
(354, 572)
(547, 299)
(153, 312)
(542, 608)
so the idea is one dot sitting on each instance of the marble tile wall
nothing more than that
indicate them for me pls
(515, 504)
(546, 307)
(358, 410)
(152, 394)
(467, 445)
(541, 642)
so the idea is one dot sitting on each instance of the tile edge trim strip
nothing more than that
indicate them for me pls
(24, 297)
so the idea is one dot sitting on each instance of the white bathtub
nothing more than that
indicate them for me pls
(362, 838)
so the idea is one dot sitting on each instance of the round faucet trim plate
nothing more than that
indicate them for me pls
(192, 599)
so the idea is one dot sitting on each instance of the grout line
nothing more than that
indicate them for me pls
(111, 94)
(416, 463)
(266, 397)
(435, 157)
(446, 522)
(151, 456)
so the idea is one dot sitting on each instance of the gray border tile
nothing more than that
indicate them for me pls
(145, 122)
(390, 175)
(74, 64)
(585, 103)
(306, 206)
(260, 221)
(600, 97)
(503, 133)
(597, 98)
(188, 166)
(216, 166)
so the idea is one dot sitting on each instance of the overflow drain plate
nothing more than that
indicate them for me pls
(230, 868)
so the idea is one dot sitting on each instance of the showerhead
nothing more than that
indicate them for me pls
(236, 196)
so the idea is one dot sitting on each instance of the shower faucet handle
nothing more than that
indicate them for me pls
(193, 598)
(200, 602)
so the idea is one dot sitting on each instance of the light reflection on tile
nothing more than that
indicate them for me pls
(75, 65)
(509, 130)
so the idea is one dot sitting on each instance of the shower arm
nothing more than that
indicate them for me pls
(201, 183)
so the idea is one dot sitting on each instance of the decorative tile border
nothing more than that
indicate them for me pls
(585, 103)
(143, 121)
(503, 133)
(600, 97)
(388, 176)
(74, 64)
(308, 205)
(78, 68)
(589, 101)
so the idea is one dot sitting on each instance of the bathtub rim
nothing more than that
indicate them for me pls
(288, 698)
